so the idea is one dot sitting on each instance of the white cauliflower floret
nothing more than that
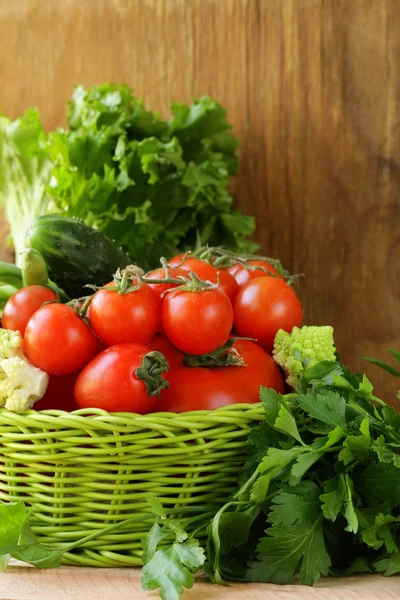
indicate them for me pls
(21, 384)
(10, 343)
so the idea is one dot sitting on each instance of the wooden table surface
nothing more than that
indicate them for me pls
(76, 583)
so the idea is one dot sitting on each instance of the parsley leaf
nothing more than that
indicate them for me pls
(338, 499)
(273, 463)
(302, 464)
(356, 446)
(12, 517)
(286, 423)
(171, 568)
(150, 542)
(385, 452)
(170, 556)
(295, 542)
(382, 533)
(17, 540)
(388, 566)
(229, 534)
(379, 482)
(297, 505)
(291, 549)
(329, 408)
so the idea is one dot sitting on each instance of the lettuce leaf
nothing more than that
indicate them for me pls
(25, 169)
(154, 186)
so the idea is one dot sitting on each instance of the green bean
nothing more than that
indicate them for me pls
(10, 275)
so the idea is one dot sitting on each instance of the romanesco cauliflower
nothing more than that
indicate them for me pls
(312, 342)
(21, 384)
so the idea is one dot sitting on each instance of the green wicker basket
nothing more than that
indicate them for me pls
(88, 469)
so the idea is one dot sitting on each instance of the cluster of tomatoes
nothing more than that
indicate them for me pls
(194, 334)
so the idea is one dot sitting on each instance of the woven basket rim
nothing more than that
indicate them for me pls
(100, 417)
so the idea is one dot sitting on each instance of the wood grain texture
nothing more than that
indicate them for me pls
(313, 90)
(78, 583)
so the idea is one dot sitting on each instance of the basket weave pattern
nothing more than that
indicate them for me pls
(88, 469)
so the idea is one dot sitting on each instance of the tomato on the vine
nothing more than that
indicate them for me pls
(243, 275)
(123, 378)
(58, 341)
(264, 305)
(205, 271)
(131, 316)
(176, 261)
(198, 388)
(23, 304)
(260, 370)
(160, 273)
(197, 321)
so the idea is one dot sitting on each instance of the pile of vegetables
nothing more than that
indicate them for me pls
(319, 494)
(92, 323)
(140, 342)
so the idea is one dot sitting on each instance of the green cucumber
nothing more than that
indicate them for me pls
(75, 254)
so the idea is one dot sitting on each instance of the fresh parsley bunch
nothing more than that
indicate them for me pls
(321, 491)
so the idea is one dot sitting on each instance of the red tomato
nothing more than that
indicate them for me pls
(195, 388)
(197, 322)
(221, 386)
(260, 369)
(202, 268)
(23, 304)
(172, 354)
(59, 394)
(264, 305)
(243, 275)
(160, 288)
(58, 341)
(228, 284)
(207, 272)
(110, 382)
(131, 317)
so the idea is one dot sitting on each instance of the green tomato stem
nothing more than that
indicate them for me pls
(218, 256)
(224, 356)
(154, 364)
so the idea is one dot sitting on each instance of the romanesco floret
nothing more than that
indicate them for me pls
(21, 384)
(313, 343)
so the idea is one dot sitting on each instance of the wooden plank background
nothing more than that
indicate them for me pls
(313, 90)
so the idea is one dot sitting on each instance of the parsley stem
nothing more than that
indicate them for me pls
(248, 484)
